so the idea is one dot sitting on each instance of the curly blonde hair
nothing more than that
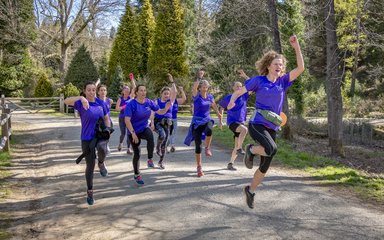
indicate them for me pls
(263, 63)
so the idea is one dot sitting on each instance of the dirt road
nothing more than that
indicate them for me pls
(49, 197)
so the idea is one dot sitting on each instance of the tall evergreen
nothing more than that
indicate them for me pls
(128, 43)
(81, 69)
(147, 29)
(168, 52)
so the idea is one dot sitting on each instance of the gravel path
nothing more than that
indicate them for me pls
(49, 197)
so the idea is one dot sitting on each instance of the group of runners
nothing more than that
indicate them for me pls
(140, 116)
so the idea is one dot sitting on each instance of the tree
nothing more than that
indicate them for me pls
(67, 14)
(147, 29)
(333, 83)
(168, 51)
(43, 87)
(81, 69)
(127, 43)
(114, 90)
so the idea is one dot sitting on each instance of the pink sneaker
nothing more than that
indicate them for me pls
(208, 152)
(150, 163)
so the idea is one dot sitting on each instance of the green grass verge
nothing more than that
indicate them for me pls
(324, 169)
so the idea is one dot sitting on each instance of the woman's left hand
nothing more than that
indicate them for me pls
(293, 41)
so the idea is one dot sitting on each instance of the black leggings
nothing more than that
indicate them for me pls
(123, 131)
(90, 159)
(163, 129)
(147, 135)
(207, 128)
(266, 137)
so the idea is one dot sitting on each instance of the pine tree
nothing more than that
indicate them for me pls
(128, 43)
(43, 87)
(146, 28)
(113, 62)
(114, 90)
(81, 69)
(167, 53)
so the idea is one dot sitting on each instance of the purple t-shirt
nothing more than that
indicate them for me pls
(123, 102)
(201, 106)
(161, 104)
(239, 112)
(107, 103)
(90, 116)
(269, 96)
(140, 113)
(175, 109)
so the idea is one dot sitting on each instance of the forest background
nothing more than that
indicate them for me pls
(48, 48)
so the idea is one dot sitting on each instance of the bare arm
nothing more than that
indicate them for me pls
(242, 74)
(235, 96)
(106, 120)
(183, 96)
(173, 88)
(129, 126)
(295, 73)
(199, 75)
(219, 115)
(118, 108)
(71, 101)
(164, 110)
(133, 87)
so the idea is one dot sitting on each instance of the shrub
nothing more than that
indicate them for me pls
(43, 87)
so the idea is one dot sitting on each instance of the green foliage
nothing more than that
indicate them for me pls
(126, 49)
(146, 29)
(103, 68)
(114, 90)
(82, 69)
(113, 62)
(43, 87)
(315, 102)
(68, 90)
(168, 51)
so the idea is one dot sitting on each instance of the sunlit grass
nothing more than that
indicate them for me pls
(326, 170)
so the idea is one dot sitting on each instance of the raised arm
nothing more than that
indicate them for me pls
(295, 73)
(183, 96)
(118, 108)
(199, 76)
(242, 74)
(173, 88)
(133, 87)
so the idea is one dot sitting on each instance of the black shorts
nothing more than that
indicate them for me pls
(233, 126)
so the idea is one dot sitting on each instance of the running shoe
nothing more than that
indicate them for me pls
(161, 165)
(173, 149)
(231, 167)
(150, 163)
(90, 199)
(200, 172)
(103, 169)
(248, 157)
(208, 152)
(119, 147)
(139, 179)
(249, 197)
(240, 151)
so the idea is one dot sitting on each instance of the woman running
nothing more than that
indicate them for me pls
(126, 95)
(102, 93)
(235, 121)
(163, 122)
(270, 89)
(91, 109)
(202, 122)
(175, 110)
(137, 114)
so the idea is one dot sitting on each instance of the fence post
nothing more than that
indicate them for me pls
(61, 103)
(2, 100)
(5, 133)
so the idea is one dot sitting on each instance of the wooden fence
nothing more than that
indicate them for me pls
(34, 105)
(6, 128)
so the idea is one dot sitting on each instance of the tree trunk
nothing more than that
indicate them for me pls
(63, 60)
(286, 133)
(333, 84)
(356, 56)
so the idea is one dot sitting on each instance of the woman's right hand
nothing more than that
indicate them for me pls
(85, 103)
(135, 139)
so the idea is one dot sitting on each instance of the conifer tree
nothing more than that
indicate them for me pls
(114, 90)
(81, 69)
(168, 51)
(146, 29)
(128, 43)
(43, 87)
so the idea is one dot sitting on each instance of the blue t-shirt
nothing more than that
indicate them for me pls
(140, 113)
(201, 106)
(107, 103)
(161, 104)
(269, 96)
(90, 116)
(239, 112)
(175, 109)
(123, 102)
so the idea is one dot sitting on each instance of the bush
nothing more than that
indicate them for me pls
(68, 90)
(43, 87)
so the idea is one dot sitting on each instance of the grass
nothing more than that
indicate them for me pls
(326, 170)
(4, 192)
